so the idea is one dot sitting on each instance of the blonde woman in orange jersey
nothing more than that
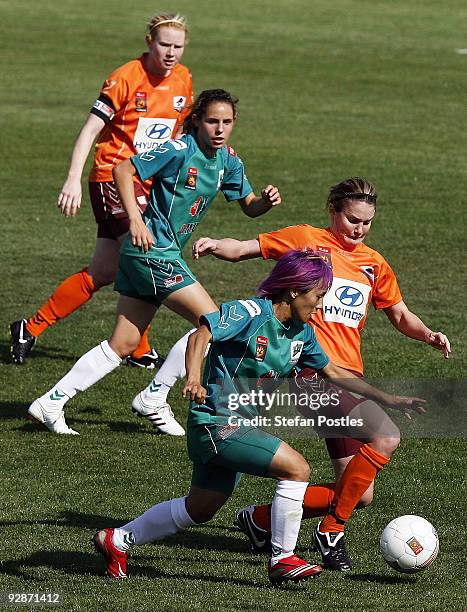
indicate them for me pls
(141, 105)
(361, 276)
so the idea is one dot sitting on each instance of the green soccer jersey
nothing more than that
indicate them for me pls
(185, 182)
(250, 347)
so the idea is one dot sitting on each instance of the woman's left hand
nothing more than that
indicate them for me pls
(439, 341)
(195, 391)
(407, 404)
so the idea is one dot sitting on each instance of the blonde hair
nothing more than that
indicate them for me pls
(172, 20)
(355, 188)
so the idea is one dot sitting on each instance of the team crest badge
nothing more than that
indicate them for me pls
(296, 347)
(261, 348)
(369, 272)
(190, 182)
(179, 103)
(141, 102)
(415, 546)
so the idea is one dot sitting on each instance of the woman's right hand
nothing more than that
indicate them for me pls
(140, 235)
(69, 200)
(204, 246)
(195, 391)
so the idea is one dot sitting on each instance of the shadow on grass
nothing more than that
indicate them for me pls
(43, 351)
(77, 563)
(13, 410)
(380, 578)
(219, 538)
(19, 410)
(71, 519)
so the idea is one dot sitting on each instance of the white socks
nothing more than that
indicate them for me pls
(91, 367)
(158, 522)
(174, 364)
(172, 369)
(286, 514)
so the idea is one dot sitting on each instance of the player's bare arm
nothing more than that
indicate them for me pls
(355, 384)
(228, 249)
(69, 199)
(405, 321)
(254, 206)
(123, 176)
(195, 351)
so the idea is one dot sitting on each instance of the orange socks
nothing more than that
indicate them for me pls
(143, 346)
(318, 499)
(317, 502)
(262, 516)
(72, 293)
(360, 472)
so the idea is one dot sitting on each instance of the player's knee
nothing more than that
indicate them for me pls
(366, 499)
(103, 277)
(389, 445)
(124, 347)
(299, 471)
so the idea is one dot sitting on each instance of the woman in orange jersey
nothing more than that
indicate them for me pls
(141, 105)
(361, 276)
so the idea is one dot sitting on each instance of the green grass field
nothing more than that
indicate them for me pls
(327, 91)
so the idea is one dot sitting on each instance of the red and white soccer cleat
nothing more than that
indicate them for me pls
(292, 568)
(116, 559)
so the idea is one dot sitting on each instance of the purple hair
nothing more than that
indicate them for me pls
(299, 270)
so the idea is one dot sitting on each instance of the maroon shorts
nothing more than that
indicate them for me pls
(338, 447)
(111, 218)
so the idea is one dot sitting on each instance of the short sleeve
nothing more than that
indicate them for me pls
(235, 184)
(165, 160)
(386, 292)
(233, 321)
(112, 97)
(312, 354)
(275, 244)
(189, 101)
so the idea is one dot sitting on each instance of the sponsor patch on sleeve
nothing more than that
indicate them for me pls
(231, 151)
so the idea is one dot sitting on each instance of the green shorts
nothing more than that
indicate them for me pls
(152, 280)
(220, 457)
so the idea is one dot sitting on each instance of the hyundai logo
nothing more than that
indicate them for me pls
(157, 131)
(349, 296)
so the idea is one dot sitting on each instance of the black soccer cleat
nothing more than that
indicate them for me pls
(260, 540)
(22, 341)
(150, 361)
(331, 545)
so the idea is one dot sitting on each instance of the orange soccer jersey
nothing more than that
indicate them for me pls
(361, 276)
(140, 110)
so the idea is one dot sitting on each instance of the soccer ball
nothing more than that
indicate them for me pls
(409, 544)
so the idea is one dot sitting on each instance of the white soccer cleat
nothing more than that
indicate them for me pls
(160, 416)
(51, 417)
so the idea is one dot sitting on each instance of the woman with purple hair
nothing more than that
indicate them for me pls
(263, 337)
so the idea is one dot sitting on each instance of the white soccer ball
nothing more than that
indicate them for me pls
(409, 544)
